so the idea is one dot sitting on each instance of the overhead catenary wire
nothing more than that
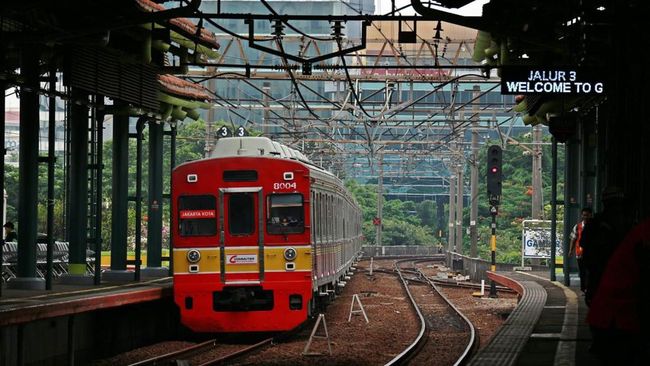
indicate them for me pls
(361, 102)
(392, 45)
(292, 27)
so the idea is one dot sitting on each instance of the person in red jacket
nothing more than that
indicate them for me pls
(576, 235)
(618, 314)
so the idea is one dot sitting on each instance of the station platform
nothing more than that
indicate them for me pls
(22, 306)
(84, 322)
(547, 327)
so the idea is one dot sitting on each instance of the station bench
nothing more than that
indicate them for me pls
(59, 259)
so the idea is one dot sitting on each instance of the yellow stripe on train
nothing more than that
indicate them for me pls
(241, 259)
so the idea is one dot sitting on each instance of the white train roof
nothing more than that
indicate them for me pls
(254, 146)
(263, 146)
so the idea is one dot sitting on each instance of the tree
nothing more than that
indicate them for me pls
(190, 145)
(426, 211)
(401, 223)
(515, 205)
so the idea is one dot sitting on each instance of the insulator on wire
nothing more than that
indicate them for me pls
(278, 28)
(337, 30)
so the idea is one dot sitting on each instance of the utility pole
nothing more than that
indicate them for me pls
(473, 214)
(493, 246)
(494, 177)
(553, 205)
(459, 204)
(209, 134)
(380, 199)
(537, 209)
(453, 181)
(266, 87)
(452, 211)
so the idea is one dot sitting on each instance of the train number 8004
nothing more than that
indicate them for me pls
(285, 185)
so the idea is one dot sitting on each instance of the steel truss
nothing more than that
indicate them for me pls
(383, 97)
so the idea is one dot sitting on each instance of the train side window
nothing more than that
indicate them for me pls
(313, 217)
(285, 214)
(319, 220)
(197, 215)
(323, 218)
(330, 219)
(241, 216)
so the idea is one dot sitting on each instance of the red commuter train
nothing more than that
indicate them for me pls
(260, 236)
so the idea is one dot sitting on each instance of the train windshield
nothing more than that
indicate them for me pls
(285, 214)
(197, 215)
(241, 214)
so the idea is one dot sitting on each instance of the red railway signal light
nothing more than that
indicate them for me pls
(494, 176)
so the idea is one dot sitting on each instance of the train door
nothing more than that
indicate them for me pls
(241, 235)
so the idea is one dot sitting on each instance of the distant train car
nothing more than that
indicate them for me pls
(260, 235)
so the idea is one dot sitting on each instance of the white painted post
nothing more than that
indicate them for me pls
(321, 317)
(362, 311)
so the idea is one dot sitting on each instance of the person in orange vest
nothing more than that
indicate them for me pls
(576, 234)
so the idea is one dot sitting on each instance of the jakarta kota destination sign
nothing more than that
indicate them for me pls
(527, 80)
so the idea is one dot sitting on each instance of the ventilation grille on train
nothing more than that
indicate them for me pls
(240, 176)
(102, 71)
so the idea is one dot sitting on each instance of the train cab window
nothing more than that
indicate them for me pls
(241, 217)
(285, 214)
(197, 215)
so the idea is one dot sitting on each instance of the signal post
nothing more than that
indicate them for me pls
(494, 177)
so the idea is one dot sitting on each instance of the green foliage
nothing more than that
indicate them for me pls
(366, 196)
(11, 186)
(400, 232)
(426, 211)
(415, 224)
(402, 222)
(516, 201)
(190, 145)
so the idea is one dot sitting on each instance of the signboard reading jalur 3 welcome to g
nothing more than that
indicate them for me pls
(544, 80)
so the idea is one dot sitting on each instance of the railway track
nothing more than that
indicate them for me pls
(433, 345)
(444, 330)
(203, 354)
(381, 264)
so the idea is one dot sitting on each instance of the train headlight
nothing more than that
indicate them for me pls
(193, 256)
(290, 254)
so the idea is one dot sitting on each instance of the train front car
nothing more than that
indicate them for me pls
(242, 255)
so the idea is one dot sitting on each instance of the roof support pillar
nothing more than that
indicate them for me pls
(28, 174)
(78, 197)
(120, 194)
(154, 224)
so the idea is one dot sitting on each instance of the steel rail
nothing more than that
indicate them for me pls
(473, 343)
(420, 339)
(238, 353)
(412, 349)
(182, 352)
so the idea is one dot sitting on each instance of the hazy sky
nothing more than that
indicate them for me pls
(474, 8)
